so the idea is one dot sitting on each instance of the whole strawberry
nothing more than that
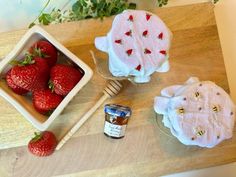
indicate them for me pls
(45, 50)
(45, 101)
(63, 78)
(43, 144)
(18, 90)
(31, 76)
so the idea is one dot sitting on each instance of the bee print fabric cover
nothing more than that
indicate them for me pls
(197, 113)
(138, 45)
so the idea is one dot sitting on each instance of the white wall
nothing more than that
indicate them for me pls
(18, 14)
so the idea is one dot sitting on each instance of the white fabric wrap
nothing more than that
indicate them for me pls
(146, 55)
(207, 117)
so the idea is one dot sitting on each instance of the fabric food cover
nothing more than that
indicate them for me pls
(197, 113)
(137, 44)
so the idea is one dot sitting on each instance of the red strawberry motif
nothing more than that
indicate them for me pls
(44, 49)
(63, 78)
(118, 41)
(131, 18)
(129, 52)
(147, 51)
(163, 52)
(128, 33)
(43, 144)
(148, 16)
(160, 36)
(13, 86)
(45, 101)
(138, 67)
(33, 76)
(145, 33)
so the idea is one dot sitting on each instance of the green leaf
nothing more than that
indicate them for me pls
(76, 6)
(45, 19)
(132, 6)
(31, 25)
(84, 9)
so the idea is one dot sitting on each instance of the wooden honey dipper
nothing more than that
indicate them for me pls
(111, 90)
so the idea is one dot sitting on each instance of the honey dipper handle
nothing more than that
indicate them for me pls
(81, 121)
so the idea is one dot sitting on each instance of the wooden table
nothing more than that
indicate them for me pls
(145, 150)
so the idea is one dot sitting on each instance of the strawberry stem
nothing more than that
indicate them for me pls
(38, 136)
(51, 85)
(28, 60)
(38, 53)
(14, 62)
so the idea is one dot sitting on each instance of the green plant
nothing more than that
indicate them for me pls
(84, 9)
(161, 3)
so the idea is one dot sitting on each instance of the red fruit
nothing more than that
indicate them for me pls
(131, 18)
(43, 144)
(148, 16)
(13, 86)
(138, 67)
(147, 51)
(128, 33)
(31, 77)
(160, 36)
(163, 52)
(64, 78)
(118, 41)
(129, 52)
(45, 50)
(145, 33)
(45, 101)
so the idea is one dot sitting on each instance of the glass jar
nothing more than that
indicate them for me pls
(116, 120)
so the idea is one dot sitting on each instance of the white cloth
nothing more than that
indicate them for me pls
(138, 45)
(197, 113)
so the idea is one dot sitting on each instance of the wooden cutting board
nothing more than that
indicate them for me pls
(146, 150)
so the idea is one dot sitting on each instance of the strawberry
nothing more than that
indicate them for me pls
(163, 52)
(160, 36)
(45, 101)
(32, 76)
(138, 68)
(45, 50)
(131, 18)
(129, 52)
(18, 90)
(128, 33)
(43, 144)
(63, 78)
(118, 41)
(147, 51)
(148, 16)
(145, 33)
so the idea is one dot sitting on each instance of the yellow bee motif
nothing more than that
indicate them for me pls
(199, 131)
(215, 108)
(180, 110)
(197, 95)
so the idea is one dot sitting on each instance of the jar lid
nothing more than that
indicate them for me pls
(117, 110)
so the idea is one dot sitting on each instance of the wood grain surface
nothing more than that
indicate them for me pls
(145, 150)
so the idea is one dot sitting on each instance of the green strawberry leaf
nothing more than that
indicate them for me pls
(37, 136)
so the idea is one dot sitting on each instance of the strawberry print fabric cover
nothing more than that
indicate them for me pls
(197, 113)
(137, 44)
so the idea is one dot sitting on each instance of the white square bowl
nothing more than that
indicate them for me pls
(23, 103)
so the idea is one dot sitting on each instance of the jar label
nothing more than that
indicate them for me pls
(114, 130)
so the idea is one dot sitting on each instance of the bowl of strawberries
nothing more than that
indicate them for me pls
(39, 77)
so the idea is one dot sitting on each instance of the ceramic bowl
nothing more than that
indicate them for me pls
(24, 103)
